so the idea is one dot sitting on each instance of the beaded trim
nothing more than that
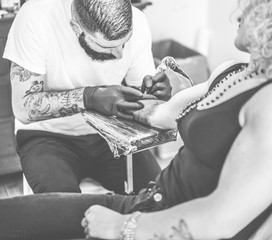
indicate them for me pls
(217, 88)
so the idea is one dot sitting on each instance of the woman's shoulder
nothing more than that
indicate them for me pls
(223, 67)
(258, 107)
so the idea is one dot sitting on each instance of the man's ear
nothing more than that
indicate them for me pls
(76, 28)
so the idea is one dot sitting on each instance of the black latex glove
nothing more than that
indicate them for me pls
(159, 86)
(113, 100)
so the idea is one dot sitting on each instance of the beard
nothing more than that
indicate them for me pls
(94, 55)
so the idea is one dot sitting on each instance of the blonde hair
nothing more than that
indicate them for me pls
(257, 15)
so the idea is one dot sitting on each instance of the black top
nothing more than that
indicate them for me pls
(208, 136)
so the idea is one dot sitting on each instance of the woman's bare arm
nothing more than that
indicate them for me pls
(31, 103)
(164, 115)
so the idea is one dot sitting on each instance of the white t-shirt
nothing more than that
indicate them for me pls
(41, 40)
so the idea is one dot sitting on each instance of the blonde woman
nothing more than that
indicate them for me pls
(219, 185)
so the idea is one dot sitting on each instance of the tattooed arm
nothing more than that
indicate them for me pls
(31, 103)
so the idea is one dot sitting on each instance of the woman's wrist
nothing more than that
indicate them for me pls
(129, 226)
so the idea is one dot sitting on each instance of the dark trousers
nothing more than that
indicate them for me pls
(58, 215)
(57, 163)
(52, 215)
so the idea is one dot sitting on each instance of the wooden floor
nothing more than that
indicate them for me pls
(11, 185)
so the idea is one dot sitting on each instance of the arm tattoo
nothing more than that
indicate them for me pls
(42, 114)
(23, 74)
(40, 105)
(47, 105)
(37, 86)
(180, 232)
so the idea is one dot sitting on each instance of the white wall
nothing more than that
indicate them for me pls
(177, 19)
(223, 29)
(204, 25)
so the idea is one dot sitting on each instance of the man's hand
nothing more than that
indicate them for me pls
(100, 222)
(113, 100)
(159, 86)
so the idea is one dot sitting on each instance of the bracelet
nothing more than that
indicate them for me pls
(129, 227)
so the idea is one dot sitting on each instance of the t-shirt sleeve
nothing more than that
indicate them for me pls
(27, 41)
(142, 62)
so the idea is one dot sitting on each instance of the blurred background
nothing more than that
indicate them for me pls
(198, 33)
(208, 26)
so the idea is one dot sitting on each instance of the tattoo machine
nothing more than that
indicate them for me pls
(170, 63)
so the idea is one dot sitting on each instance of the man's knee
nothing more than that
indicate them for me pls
(49, 186)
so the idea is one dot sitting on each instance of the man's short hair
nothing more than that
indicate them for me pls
(112, 18)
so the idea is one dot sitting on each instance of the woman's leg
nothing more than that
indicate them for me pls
(53, 215)
(45, 216)
(58, 215)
